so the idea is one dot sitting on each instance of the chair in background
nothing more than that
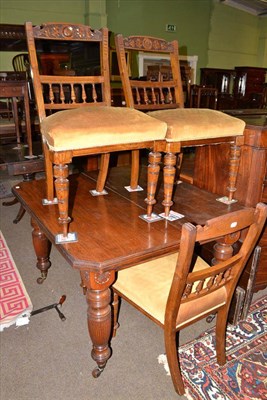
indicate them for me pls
(83, 123)
(21, 63)
(163, 99)
(175, 291)
(203, 97)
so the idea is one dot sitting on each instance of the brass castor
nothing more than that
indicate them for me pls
(42, 278)
(97, 371)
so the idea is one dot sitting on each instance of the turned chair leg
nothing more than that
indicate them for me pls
(234, 161)
(61, 173)
(152, 180)
(235, 153)
(168, 177)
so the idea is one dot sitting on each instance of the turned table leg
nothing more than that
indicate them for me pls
(99, 317)
(42, 247)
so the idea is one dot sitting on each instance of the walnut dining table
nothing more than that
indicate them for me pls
(111, 237)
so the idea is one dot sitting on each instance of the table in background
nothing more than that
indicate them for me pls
(13, 88)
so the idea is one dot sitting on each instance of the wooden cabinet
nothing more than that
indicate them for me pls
(223, 81)
(242, 87)
(248, 86)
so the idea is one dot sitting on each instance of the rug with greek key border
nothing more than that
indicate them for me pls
(15, 303)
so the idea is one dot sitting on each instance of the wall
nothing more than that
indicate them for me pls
(220, 35)
(147, 17)
(234, 38)
(38, 11)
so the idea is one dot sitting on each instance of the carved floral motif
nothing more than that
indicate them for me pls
(61, 31)
(147, 44)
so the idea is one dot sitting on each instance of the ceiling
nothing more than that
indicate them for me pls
(255, 7)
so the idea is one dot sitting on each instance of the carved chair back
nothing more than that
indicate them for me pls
(163, 92)
(227, 229)
(58, 92)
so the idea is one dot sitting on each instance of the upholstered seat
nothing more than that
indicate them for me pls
(88, 127)
(76, 117)
(148, 286)
(163, 99)
(197, 123)
(179, 289)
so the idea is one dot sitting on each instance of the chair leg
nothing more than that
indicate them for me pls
(61, 173)
(171, 347)
(102, 176)
(152, 180)
(221, 325)
(115, 307)
(135, 169)
(50, 199)
(168, 176)
(235, 152)
(234, 161)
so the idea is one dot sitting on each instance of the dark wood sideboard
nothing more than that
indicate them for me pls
(210, 173)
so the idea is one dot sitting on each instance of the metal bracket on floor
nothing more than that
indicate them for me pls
(55, 305)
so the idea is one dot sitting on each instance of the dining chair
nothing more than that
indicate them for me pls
(163, 99)
(178, 289)
(76, 117)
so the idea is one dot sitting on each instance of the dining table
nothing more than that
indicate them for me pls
(112, 235)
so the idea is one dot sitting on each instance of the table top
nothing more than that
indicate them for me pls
(110, 233)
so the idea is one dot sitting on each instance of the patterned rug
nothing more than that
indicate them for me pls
(15, 304)
(244, 376)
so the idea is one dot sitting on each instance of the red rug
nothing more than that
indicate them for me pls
(244, 376)
(15, 303)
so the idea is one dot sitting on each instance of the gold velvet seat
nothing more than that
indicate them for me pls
(76, 117)
(177, 290)
(162, 98)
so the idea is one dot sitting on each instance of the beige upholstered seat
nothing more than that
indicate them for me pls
(179, 289)
(162, 98)
(76, 117)
(195, 123)
(148, 286)
(89, 127)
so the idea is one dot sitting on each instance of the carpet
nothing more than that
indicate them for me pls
(15, 303)
(244, 376)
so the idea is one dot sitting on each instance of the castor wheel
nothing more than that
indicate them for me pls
(97, 372)
(210, 318)
(41, 279)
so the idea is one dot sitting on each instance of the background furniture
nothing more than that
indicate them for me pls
(15, 86)
(203, 97)
(249, 86)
